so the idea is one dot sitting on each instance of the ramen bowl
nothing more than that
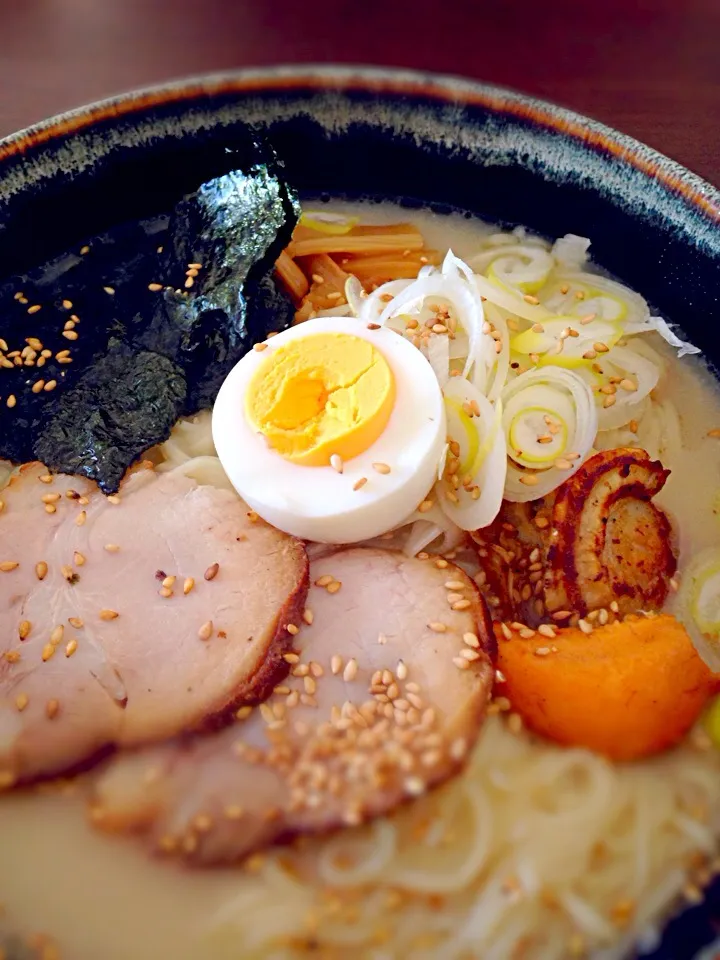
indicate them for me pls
(419, 141)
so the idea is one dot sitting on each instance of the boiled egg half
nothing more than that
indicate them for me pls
(332, 430)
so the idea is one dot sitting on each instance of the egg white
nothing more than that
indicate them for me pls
(318, 503)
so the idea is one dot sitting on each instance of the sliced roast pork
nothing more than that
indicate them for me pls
(129, 619)
(390, 679)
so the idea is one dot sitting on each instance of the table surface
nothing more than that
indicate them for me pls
(650, 68)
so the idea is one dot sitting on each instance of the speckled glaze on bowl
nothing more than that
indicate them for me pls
(414, 138)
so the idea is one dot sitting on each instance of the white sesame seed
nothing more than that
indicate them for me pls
(350, 671)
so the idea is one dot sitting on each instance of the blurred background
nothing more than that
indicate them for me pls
(650, 68)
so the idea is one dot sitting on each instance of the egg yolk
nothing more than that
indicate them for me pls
(312, 397)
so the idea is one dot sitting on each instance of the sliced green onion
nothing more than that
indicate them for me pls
(323, 221)
(550, 423)
(565, 341)
(699, 602)
(475, 501)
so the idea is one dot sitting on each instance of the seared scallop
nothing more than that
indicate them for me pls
(597, 543)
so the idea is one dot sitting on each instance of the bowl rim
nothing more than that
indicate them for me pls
(447, 89)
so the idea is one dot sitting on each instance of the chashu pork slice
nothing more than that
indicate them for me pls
(387, 693)
(129, 619)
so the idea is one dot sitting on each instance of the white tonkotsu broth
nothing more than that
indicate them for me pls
(535, 851)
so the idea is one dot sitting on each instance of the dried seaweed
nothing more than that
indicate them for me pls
(142, 357)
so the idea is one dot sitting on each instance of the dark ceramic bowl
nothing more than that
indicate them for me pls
(413, 138)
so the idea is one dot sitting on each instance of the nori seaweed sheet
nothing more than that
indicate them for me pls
(144, 358)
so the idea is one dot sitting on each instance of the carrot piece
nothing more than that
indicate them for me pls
(291, 276)
(627, 690)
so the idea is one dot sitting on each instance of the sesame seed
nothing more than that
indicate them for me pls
(546, 630)
(8, 565)
(336, 664)
(155, 287)
(529, 298)
(382, 468)
(561, 615)
(469, 654)
(526, 633)
(11, 401)
(212, 571)
(454, 585)
(50, 508)
(562, 464)
(205, 631)
(334, 586)
(324, 580)
(609, 401)
(106, 614)
(165, 592)
(462, 604)
(359, 483)
(80, 518)
(75, 622)
(461, 663)
(38, 386)
(21, 701)
(628, 385)
(336, 462)
(310, 684)
(308, 617)
(601, 347)
(292, 629)
(114, 499)
(35, 308)
(542, 651)
(71, 647)
(437, 627)
(51, 709)
(48, 651)
(350, 671)
(530, 480)
(70, 334)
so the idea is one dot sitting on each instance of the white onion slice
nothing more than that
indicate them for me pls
(607, 299)
(571, 252)
(483, 457)
(626, 363)
(433, 527)
(523, 267)
(355, 295)
(437, 351)
(501, 369)
(514, 304)
(572, 407)
(683, 347)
